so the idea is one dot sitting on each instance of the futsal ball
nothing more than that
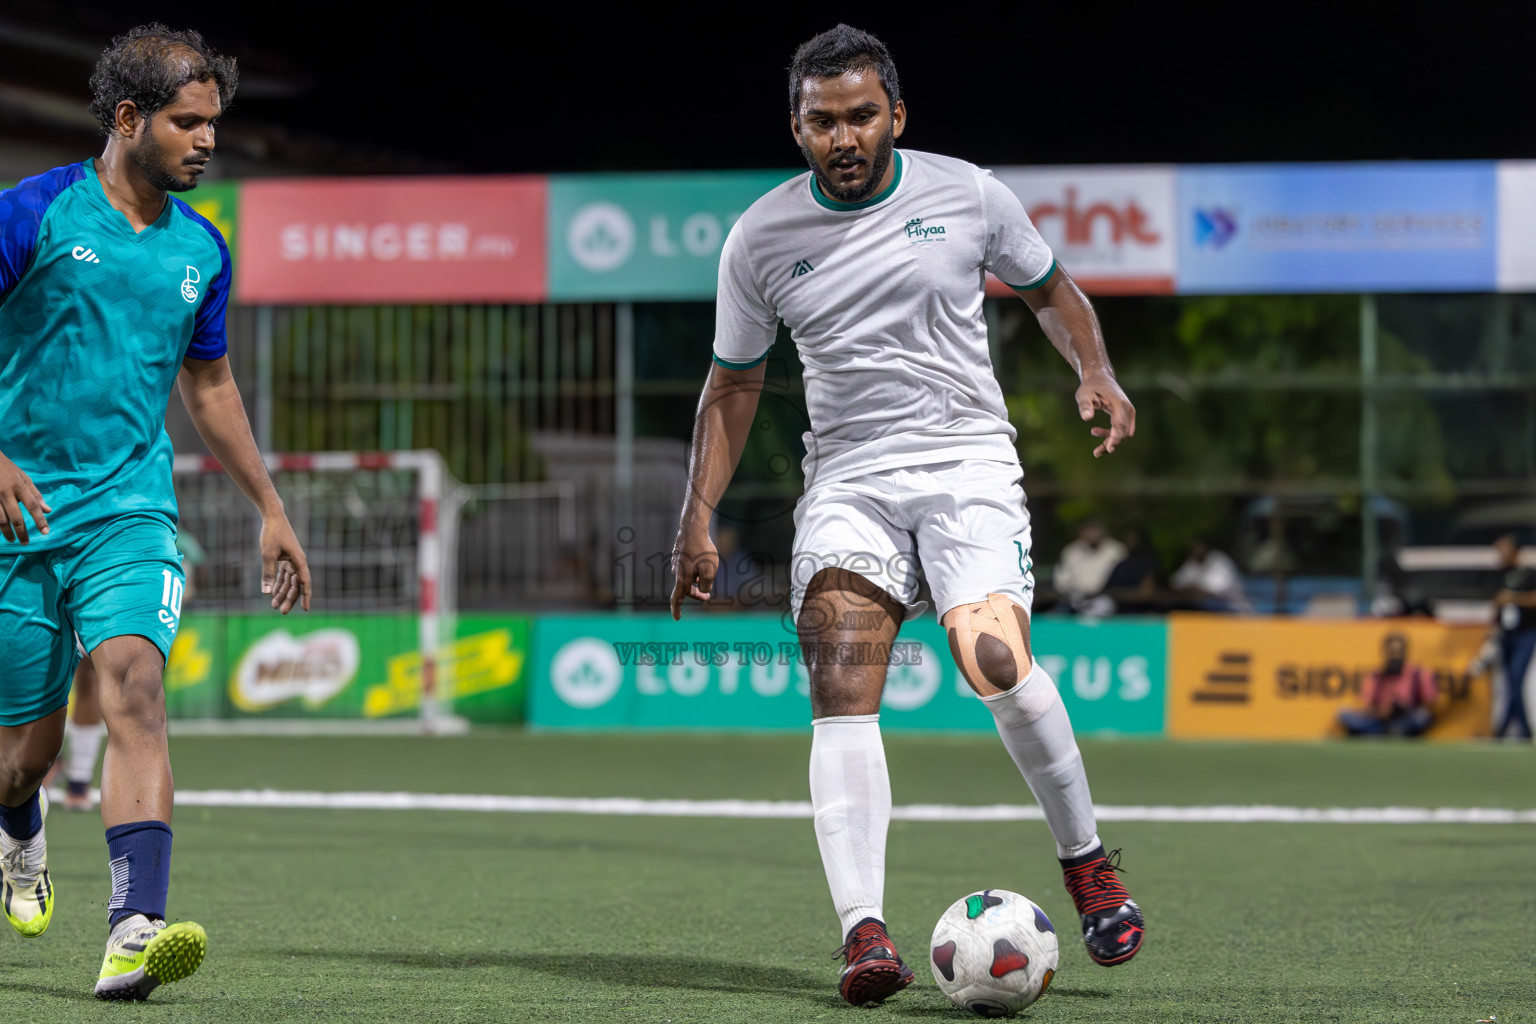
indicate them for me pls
(993, 953)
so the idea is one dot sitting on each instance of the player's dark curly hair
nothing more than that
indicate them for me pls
(838, 51)
(150, 64)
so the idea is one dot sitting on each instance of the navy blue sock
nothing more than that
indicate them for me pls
(140, 858)
(25, 821)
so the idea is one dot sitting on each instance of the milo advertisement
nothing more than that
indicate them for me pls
(342, 666)
(725, 671)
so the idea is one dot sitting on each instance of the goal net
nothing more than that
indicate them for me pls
(378, 557)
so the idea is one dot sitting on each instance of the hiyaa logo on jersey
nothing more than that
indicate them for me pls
(85, 255)
(917, 232)
(189, 286)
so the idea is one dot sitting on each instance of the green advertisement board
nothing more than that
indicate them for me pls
(219, 201)
(342, 666)
(743, 672)
(644, 236)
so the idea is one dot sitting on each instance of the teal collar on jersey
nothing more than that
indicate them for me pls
(873, 200)
(118, 217)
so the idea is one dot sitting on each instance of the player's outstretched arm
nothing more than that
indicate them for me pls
(720, 430)
(212, 398)
(1067, 317)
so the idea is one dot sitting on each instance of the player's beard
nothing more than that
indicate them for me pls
(151, 159)
(866, 188)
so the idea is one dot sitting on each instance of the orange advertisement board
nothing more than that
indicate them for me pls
(1251, 678)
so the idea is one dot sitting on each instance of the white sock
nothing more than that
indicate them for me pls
(1038, 734)
(851, 794)
(84, 745)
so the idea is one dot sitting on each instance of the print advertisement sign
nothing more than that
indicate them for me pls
(1253, 678)
(743, 671)
(1338, 228)
(1113, 228)
(645, 236)
(400, 240)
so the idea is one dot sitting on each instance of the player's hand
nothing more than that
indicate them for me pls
(284, 569)
(1102, 393)
(694, 563)
(18, 494)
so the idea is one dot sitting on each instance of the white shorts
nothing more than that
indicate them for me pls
(952, 532)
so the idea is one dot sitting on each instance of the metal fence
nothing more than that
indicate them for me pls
(1305, 434)
(359, 530)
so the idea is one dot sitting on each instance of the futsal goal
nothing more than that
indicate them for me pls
(380, 554)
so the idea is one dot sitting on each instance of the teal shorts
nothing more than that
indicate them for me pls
(124, 578)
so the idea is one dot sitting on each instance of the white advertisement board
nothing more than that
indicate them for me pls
(1517, 226)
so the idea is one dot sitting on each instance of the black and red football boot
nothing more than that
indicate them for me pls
(1112, 923)
(872, 972)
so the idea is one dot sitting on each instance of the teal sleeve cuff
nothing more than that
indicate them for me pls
(1038, 282)
(743, 366)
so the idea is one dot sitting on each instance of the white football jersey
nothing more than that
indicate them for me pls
(884, 301)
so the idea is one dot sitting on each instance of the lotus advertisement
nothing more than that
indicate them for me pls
(738, 671)
(645, 236)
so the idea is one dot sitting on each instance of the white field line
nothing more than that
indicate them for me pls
(797, 809)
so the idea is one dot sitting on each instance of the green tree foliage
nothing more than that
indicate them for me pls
(1237, 397)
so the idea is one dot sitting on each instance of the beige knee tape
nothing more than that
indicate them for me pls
(990, 632)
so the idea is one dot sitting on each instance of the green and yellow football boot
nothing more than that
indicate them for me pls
(143, 954)
(26, 891)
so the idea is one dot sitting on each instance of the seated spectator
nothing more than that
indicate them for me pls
(1399, 696)
(1211, 579)
(1086, 563)
(1132, 586)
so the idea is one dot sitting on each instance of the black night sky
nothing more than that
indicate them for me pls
(568, 89)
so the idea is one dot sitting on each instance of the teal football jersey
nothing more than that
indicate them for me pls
(95, 320)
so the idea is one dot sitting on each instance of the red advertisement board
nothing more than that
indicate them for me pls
(1113, 228)
(395, 240)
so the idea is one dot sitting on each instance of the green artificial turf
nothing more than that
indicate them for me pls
(452, 916)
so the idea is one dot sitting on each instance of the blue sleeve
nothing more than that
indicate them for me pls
(21, 217)
(209, 340)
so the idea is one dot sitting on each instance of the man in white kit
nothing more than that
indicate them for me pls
(877, 261)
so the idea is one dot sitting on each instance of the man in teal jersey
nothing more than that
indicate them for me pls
(110, 292)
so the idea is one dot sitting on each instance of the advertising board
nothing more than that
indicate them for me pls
(1113, 228)
(743, 671)
(645, 236)
(1338, 228)
(1250, 678)
(402, 240)
(1517, 226)
(341, 666)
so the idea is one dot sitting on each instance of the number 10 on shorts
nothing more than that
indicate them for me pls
(170, 599)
